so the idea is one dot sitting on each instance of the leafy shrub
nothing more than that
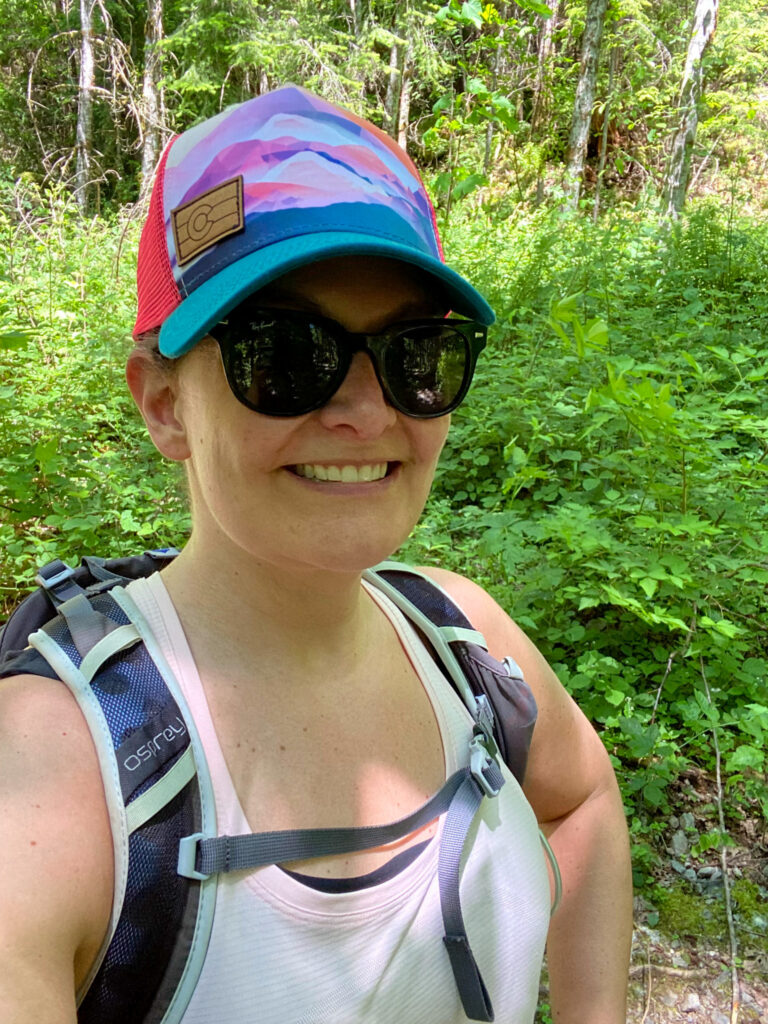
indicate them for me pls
(78, 473)
(608, 480)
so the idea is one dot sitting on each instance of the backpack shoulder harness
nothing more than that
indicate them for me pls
(158, 789)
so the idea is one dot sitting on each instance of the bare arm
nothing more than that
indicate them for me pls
(572, 788)
(56, 878)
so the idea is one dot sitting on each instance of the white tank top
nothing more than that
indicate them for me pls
(283, 952)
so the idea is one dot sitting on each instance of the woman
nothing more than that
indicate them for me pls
(293, 352)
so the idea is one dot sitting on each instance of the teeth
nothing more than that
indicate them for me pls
(343, 474)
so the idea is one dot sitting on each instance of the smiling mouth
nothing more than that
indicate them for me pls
(345, 474)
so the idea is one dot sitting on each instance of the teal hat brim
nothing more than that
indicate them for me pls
(213, 299)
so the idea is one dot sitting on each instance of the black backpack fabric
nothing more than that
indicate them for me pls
(76, 628)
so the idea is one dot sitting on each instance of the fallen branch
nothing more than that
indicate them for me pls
(649, 976)
(674, 972)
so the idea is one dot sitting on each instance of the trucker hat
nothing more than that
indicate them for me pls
(269, 185)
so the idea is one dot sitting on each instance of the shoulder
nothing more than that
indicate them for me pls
(56, 884)
(567, 762)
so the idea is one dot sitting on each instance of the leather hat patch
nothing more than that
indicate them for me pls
(207, 219)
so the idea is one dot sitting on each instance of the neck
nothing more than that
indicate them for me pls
(238, 605)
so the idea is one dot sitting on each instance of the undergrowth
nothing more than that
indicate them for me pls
(607, 479)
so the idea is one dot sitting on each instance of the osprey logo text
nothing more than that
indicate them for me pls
(155, 745)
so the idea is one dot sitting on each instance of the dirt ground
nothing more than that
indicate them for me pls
(681, 963)
(664, 993)
(702, 994)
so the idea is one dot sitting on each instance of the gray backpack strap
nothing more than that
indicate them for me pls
(86, 625)
(474, 995)
(235, 853)
(460, 796)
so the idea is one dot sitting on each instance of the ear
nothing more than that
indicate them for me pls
(155, 392)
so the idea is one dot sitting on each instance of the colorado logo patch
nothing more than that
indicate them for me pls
(207, 219)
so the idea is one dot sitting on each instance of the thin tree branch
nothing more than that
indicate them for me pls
(735, 987)
(682, 650)
(649, 982)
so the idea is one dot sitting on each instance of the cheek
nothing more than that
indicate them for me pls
(431, 438)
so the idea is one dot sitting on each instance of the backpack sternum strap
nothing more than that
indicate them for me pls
(234, 853)
(460, 796)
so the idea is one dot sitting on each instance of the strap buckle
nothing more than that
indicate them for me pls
(480, 760)
(187, 863)
(54, 581)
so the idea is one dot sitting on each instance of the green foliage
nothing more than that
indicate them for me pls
(608, 481)
(78, 473)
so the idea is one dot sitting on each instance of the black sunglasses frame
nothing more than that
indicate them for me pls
(237, 327)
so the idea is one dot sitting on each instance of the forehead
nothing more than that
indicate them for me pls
(367, 283)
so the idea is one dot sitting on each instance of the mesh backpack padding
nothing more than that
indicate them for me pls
(147, 953)
(129, 687)
(427, 597)
(148, 950)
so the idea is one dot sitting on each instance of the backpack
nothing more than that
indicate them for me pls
(81, 627)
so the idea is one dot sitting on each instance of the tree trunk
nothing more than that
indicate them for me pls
(355, 12)
(84, 133)
(585, 97)
(152, 95)
(541, 86)
(681, 146)
(394, 89)
(405, 101)
(614, 69)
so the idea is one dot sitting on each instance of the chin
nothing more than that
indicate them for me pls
(352, 555)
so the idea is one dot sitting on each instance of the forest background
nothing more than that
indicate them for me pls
(600, 170)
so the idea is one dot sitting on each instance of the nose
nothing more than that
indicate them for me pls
(359, 404)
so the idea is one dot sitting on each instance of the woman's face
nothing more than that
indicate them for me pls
(256, 480)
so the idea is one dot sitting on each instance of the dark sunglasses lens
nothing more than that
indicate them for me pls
(427, 368)
(280, 367)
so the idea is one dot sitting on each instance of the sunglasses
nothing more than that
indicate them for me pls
(282, 363)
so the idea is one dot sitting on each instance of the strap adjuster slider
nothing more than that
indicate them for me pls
(187, 862)
(480, 760)
(52, 582)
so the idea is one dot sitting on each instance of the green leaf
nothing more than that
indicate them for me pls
(15, 338)
(472, 12)
(745, 756)
(536, 7)
(565, 309)
(649, 586)
(653, 794)
(469, 184)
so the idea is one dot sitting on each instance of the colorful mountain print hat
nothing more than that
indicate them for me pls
(269, 185)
